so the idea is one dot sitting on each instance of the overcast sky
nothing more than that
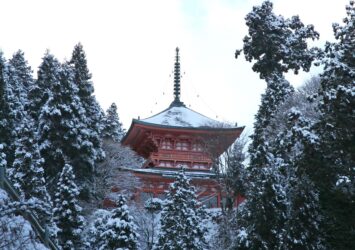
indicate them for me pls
(130, 47)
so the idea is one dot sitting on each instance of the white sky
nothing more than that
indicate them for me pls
(130, 46)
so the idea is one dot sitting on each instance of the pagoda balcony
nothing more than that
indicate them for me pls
(187, 156)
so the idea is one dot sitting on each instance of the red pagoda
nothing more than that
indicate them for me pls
(179, 137)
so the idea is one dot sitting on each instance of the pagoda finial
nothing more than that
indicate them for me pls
(177, 78)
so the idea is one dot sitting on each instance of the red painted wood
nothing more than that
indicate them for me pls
(168, 148)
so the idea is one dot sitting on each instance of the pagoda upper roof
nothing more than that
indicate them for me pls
(182, 117)
(178, 119)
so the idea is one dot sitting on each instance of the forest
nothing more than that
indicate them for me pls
(60, 153)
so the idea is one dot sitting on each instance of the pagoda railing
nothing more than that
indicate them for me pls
(182, 156)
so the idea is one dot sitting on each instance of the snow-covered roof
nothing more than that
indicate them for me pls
(181, 117)
(172, 173)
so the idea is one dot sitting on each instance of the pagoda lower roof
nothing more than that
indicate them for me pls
(172, 173)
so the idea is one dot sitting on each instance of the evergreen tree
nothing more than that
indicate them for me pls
(5, 121)
(98, 227)
(263, 215)
(277, 45)
(120, 230)
(181, 218)
(63, 134)
(23, 71)
(16, 99)
(235, 171)
(67, 212)
(56, 116)
(112, 127)
(3, 162)
(303, 217)
(234, 183)
(332, 162)
(27, 172)
(40, 91)
(93, 112)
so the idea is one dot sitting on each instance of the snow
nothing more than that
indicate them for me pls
(342, 180)
(15, 231)
(181, 117)
(172, 173)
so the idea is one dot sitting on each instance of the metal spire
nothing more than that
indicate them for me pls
(177, 78)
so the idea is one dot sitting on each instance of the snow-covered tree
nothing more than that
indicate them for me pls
(23, 71)
(333, 161)
(3, 162)
(112, 127)
(27, 172)
(67, 212)
(40, 91)
(303, 217)
(263, 216)
(182, 218)
(12, 107)
(277, 45)
(305, 99)
(233, 181)
(16, 101)
(234, 177)
(286, 49)
(109, 172)
(120, 230)
(148, 221)
(63, 134)
(15, 231)
(5, 121)
(97, 228)
(93, 112)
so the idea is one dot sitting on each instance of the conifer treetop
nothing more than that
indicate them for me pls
(277, 44)
(181, 218)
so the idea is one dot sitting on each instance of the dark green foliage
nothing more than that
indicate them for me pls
(277, 91)
(67, 212)
(335, 155)
(40, 91)
(93, 112)
(263, 216)
(112, 127)
(57, 122)
(5, 121)
(27, 172)
(119, 231)
(23, 70)
(82, 75)
(181, 218)
(277, 44)
(302, 228)
(64, 135)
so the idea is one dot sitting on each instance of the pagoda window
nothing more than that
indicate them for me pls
(166, 164)
(167, 144)
(200, 165)
(182, 145)
(197, 147)
(182, 164)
